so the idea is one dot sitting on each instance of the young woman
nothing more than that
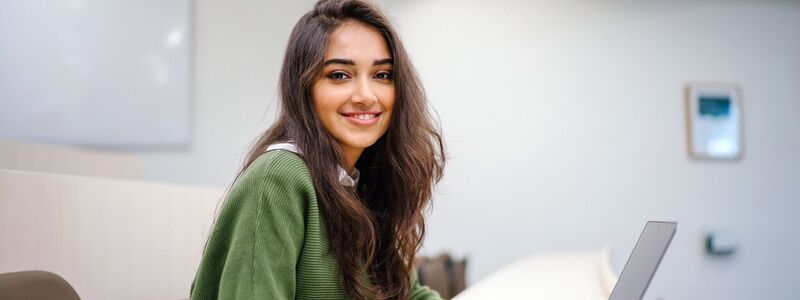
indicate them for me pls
(329, 203)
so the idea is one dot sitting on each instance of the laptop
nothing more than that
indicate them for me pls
(644, 260)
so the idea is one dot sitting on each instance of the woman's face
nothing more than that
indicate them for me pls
(354, 95)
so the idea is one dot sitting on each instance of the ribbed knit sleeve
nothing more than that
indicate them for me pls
(259, 233)
(422, 292)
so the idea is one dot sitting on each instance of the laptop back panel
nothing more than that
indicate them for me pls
(644, 260)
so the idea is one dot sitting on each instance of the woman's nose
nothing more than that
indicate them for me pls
(363, 93)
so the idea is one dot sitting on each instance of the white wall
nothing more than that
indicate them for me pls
(565, 126)
(238, 53)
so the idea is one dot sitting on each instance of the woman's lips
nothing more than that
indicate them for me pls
(362, 118)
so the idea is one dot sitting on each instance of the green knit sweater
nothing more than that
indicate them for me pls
(269, 240)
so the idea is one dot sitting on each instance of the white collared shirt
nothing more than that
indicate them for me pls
(345, 179)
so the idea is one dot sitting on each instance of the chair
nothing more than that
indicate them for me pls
(35, 285)
(442, 274)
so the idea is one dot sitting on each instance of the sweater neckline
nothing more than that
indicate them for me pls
(345, 179)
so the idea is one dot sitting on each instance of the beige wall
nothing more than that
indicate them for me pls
(110, 239)
(25, 156)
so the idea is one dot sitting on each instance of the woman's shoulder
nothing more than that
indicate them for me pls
(278, 165)
(275, 177)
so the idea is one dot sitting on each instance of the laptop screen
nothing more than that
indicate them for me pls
(644, 260)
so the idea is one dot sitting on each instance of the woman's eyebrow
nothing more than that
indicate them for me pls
(342, 61)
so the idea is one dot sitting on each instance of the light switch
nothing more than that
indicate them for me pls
(721, 242)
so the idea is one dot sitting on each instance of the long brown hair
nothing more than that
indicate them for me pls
(378, 226)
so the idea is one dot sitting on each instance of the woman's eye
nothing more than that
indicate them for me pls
(384, 75)
(338, 76)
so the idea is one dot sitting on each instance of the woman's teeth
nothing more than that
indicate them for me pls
(364, 116)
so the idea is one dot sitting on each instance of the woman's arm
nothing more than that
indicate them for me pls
(257, 239)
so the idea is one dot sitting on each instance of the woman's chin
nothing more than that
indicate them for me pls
(359, 143)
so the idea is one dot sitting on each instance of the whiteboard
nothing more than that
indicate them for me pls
(105, 73)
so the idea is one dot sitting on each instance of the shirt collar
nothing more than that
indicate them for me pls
(345, 179)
